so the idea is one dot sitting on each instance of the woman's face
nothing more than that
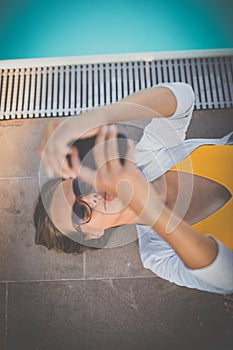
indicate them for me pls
(106, 210)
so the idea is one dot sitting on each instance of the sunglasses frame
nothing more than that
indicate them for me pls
(79, 198)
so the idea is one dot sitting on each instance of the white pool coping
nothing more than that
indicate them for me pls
(128, 57)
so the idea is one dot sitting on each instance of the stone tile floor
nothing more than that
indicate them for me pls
(103, 299)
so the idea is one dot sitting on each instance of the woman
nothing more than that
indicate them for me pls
(151, 194)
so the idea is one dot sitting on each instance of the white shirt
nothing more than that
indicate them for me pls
(162, 145)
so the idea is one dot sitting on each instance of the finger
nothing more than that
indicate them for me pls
(48, 152)
(39, 150)
(57, 168)
(78, 170)
(130, 150)
(45, 160)
(99, 147)
(57, 159)
(87, 174)
(67, 172)
(48, 130)
(67, 169)
(112, 145)
(74, 157)
(47, 166)
(52, 163)
(41, 146)
(71, 164)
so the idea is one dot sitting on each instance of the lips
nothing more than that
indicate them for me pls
(107, 197)
(104, 196)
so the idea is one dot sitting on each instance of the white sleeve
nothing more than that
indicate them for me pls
(170, 131)
(219, 273)
(158, 256)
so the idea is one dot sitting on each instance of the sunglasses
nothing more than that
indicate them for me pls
(81, 210)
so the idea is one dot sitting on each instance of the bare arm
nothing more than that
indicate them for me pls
(149, 103)
(193, 248)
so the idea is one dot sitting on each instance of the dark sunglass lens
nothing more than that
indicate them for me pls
(81, 213)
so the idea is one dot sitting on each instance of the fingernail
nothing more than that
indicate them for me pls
(69, 176)
(112, 128)
(104, 129)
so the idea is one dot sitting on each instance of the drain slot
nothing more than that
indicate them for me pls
(67, 90)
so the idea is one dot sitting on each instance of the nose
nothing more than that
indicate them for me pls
(93, 199)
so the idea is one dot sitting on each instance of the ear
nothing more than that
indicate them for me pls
(93, 235)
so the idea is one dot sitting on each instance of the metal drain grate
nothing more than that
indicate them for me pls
(68, 90)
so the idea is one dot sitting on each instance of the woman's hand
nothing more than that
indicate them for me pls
(109, 168)
(54, 145)
(123, 180)
(46, 133)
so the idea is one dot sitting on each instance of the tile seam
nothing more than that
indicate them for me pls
(25, 178)
(6, 315)
(81, 279)
(18, 178)
(84, 265)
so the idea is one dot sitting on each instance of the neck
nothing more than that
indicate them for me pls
(128, 216)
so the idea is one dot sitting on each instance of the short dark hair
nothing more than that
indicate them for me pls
(49, 236)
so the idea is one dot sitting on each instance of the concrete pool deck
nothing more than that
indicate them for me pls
(103, 299)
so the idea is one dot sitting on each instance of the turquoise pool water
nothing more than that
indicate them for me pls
(43, 28)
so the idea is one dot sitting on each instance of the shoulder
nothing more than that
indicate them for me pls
(184, 95)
